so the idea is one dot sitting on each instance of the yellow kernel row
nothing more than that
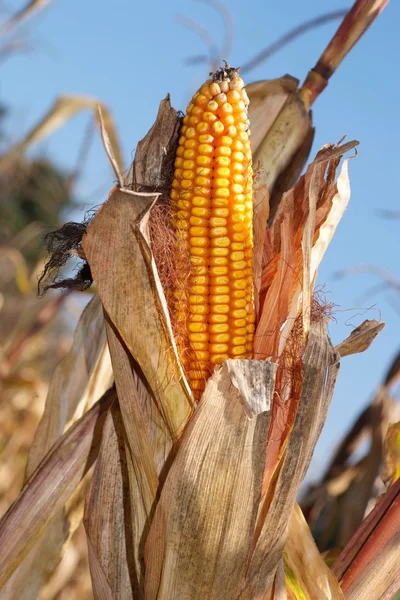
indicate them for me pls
(211, 198)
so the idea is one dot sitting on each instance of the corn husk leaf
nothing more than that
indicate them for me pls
(319, 376)
(154, 399)
(368, 567)
(78, 381)
(50, 486)
(208, 506)
(219, 515)
(360, 338)
(153, 166)
(283, 279)
(305, 568)
(282, 134)
(108, 516)
(261, 214)
(279, 591)
(64, 109)
(119, 232)
(147, 444)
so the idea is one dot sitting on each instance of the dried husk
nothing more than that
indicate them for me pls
(154, 399)
(213, 508)
(282, 135)
(360, 338)
(118, 236)
(112, 547)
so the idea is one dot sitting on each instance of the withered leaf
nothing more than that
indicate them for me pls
(108, 518)
(319, 375)
(154, 160)
(115, 239)
(360, 338)
(200, 537)
(280, 127)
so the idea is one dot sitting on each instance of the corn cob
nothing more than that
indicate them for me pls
(212, 208)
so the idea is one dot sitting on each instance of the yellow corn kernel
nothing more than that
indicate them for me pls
(211, 201)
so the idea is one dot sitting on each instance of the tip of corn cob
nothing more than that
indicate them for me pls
(225, 73)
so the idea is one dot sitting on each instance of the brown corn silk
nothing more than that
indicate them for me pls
(212, 302)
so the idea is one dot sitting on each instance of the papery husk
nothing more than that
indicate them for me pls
(283, 277)
(282, 135)
(78, 381)
(360, 338)
(200, 537)
(213, 508)
(111, 547)
(154, 398)
(48, 489)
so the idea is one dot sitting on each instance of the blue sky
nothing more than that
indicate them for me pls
(130, 54)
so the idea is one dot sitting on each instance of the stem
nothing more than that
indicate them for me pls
(353, 26)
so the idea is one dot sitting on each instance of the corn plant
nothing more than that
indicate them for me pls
(182, 421)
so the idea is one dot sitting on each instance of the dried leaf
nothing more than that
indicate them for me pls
(108, 517)
(105, 136)
(279, 591)
(289, 176)
(148, 445)
(275, 306)
(331, 202)
(64, 108)
(50, 486)
(305, 565)
(261, 213)
(118, 237)
(391, 470)
(319, 376)
(211, 511)
(199, 541)
(267, 98)
(369, 565)
(154, 160)
(280, 129)
(332, 220)
(307, 247)
(360, 338)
